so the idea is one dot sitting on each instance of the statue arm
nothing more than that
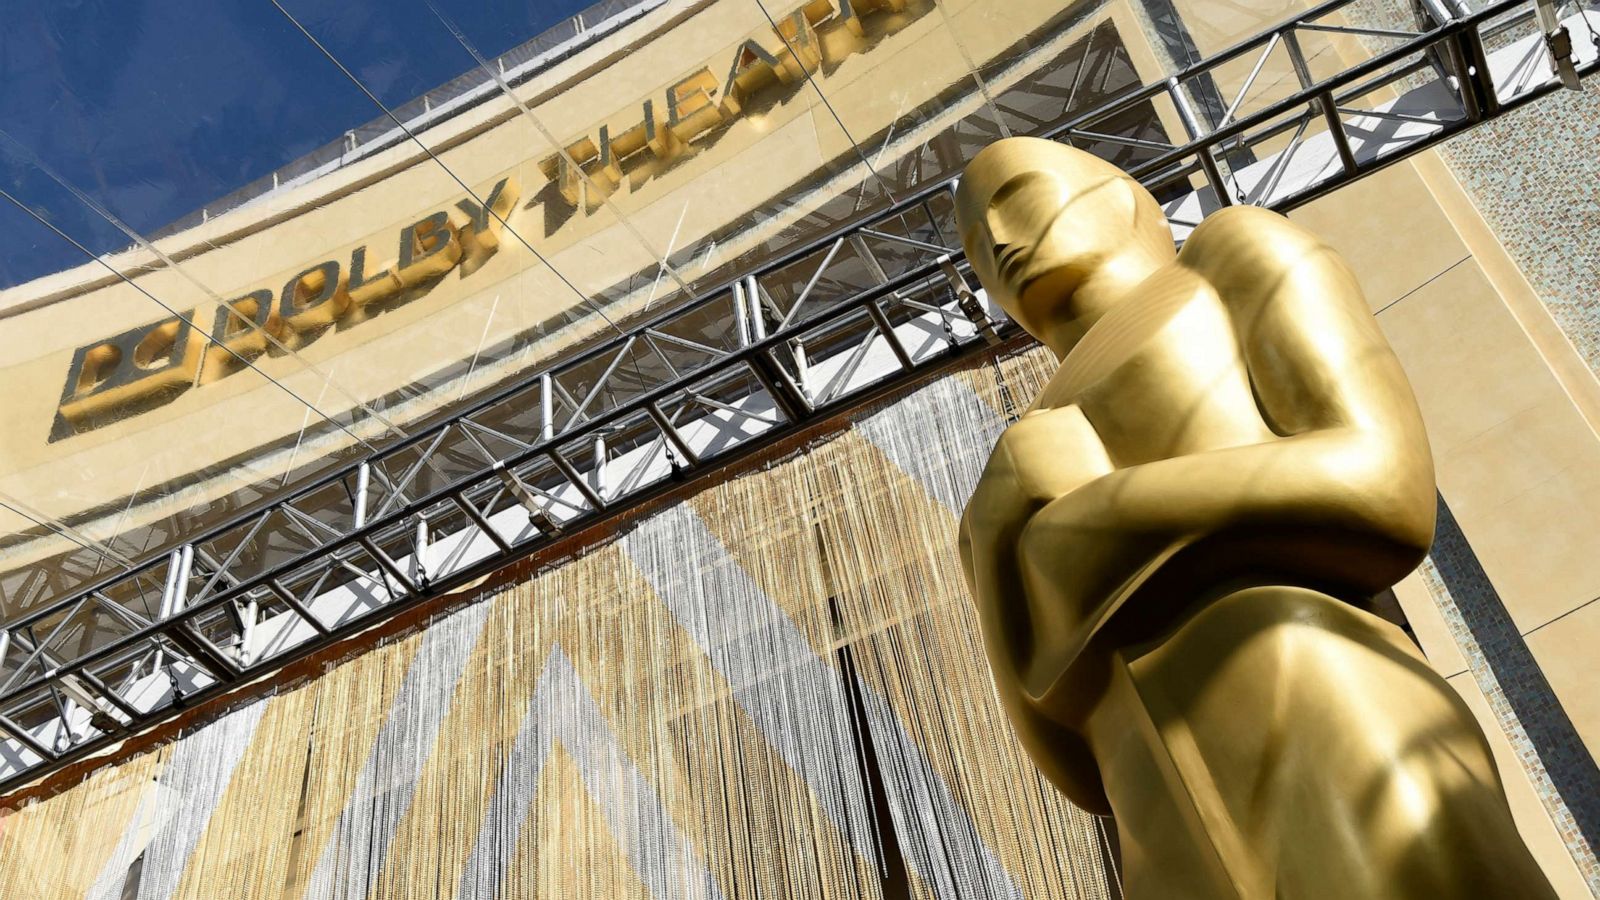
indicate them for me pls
(1345, 493)
(1006, 497)
(1354, 449)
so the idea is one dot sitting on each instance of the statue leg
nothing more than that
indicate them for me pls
(1283, 744)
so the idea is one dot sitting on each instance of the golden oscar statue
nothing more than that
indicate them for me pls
(1171, 552)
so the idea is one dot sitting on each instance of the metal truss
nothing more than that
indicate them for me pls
(857, 314)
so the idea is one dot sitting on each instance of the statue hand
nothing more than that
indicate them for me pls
(1046, 455)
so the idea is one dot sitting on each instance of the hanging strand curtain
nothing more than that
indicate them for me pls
(775, 689)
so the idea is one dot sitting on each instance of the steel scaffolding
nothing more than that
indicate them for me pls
(858, 314)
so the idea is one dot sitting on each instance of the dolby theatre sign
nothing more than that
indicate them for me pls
(145, 367)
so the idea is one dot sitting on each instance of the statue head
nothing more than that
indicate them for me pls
(1056, 234)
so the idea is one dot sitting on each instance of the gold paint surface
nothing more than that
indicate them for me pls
(1170, 550)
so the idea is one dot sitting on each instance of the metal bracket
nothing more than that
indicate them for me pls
(525, 495)
(967, 301)
(1558, 41)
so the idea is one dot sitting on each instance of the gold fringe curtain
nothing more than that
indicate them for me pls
(241, 853)
(919, 646)
(56, 849)
(774, 689)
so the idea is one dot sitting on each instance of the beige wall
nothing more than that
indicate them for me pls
(212, 436)
(1517, 461)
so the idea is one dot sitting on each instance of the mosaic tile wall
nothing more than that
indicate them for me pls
(1535, 178)
(1558, 763)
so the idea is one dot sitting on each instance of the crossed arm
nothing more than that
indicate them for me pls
(1345, 492)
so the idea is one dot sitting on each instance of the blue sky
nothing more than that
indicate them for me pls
(157, 107)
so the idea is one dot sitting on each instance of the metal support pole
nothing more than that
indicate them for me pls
(169, 590)
(869, 259)
(169, 594)
(27, 739)
(1341, 140)
(252, 611)
(219, 573)
(419, 566)
(300, 609)
(480, 520)
(363, 480)
(1457, 56)
(882, 321)
(1482, 75)
(1324, 104)
(1438, 11)
(103, 695)
(758, 314)
(577, 480)
(1297, 58)
(741, 315)
(547, 408)
(388, 565)
(203, 652)
(180, 593)
(789, 399)
(802, 364)
(78, 698)
(1191, 124)
(66, 737)
(599, 483)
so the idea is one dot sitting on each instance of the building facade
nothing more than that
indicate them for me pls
(677, 611)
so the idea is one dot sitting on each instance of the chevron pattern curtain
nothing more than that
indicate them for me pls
(775, 689)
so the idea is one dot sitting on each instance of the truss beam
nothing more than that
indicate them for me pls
(711, 380)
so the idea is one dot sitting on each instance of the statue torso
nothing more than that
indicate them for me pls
(1162, 376)
(1156, 401)
(1152, 472)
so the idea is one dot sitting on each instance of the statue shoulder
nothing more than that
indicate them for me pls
(1249, 225)
(1248, 254)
